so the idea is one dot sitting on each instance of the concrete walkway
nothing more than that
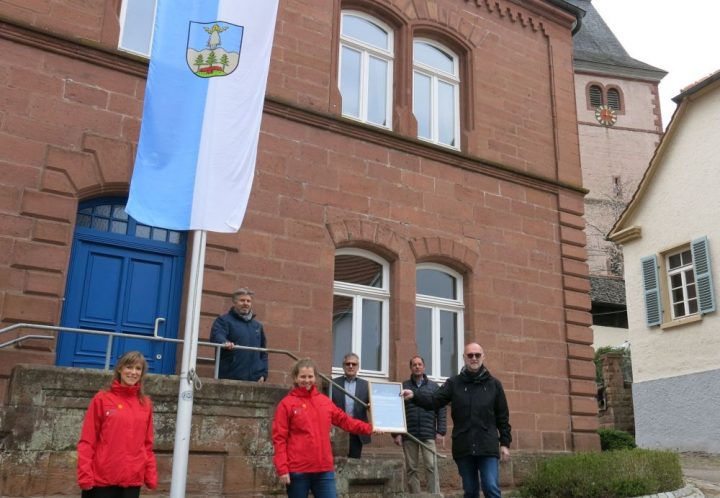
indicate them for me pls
(702, 471)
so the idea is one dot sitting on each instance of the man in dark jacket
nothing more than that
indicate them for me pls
(426, 425)
(239, 327)
(481, 422)
(360, 389)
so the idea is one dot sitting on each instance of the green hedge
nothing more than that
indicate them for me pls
(612, 474)
(612, 439)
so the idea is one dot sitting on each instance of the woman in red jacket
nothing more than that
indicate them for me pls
(301, 436)
(115, 451)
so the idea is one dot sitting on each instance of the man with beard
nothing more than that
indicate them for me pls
(239, 327)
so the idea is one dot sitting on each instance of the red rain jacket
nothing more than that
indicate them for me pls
(116, 443)
(301, 431)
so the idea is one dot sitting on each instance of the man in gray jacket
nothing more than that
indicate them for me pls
(428, 426)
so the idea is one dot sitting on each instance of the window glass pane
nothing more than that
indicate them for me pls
(84, 220)
(433, 57)
(371, 354)
(358, 270)
(118, 212)
(341, 328)
(446, 113)
(436, 283)
(674, 261)
(138, 26)
(423, 336)
(366, 31)
(675, 280)
(86, 211)
(693, 306)
(350, 82)
(159, 234)
(100, 224)
(679, 309)
(118, 227)
(448, 343)
(377, 91)
(677, 295)
(690, 277)
(691, 291)
(421, 104)
(174, 237)
(686, 257)
(142, 231)
(103, 210)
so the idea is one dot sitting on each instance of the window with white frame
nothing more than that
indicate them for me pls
(137, 19)
(686, 288)
(436, 93)
(365, 79)
(361, 300)
(439, 319)
(681, 283)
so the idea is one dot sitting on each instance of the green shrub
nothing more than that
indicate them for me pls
(612, 439)
(617, 474)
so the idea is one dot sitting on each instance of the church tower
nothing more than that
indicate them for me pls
(619, 125)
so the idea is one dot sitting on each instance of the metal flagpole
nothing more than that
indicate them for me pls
(187, 370)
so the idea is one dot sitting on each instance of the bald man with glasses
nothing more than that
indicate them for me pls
(481, 422)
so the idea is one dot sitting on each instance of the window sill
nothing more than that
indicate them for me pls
(681, 321)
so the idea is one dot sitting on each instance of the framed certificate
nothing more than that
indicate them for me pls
(387, 407)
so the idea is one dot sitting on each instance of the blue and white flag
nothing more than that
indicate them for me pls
(201, 119)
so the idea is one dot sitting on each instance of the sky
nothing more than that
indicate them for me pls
(680, 36)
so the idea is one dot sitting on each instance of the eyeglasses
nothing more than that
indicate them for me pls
(474, 355)
(350, 364)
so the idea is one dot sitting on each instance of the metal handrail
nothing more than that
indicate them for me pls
(156, 337)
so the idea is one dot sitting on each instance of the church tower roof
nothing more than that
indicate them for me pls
(597, 50)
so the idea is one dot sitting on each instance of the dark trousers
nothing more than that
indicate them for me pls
(488, 468)
(111, 492)
(322, 484)
(355, 446)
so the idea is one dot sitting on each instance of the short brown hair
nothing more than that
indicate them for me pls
(242, 291)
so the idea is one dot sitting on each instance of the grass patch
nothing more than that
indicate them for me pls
(611, 474)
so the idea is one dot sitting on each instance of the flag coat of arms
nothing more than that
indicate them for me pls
(201, 118)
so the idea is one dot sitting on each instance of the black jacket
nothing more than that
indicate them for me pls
(421, 423)
(362, 392)
(481, 419)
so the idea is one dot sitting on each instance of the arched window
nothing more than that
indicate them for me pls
(365, 79)
(436, 93)
(111, 217)
(439, 319)
(613, 98)
(361, 300)
(596, 96)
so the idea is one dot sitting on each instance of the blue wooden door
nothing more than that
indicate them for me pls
(119, 282)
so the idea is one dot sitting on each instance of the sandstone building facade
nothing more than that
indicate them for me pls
(418, 186)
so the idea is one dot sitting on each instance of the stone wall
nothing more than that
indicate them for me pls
(230, 448)
(618, 412)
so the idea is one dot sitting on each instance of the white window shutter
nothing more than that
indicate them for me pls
(651, 286)
(703, 275)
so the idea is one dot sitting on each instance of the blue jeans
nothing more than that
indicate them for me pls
(322, 484)
(489, 469)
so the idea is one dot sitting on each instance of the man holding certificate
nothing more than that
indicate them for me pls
(481, 422)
